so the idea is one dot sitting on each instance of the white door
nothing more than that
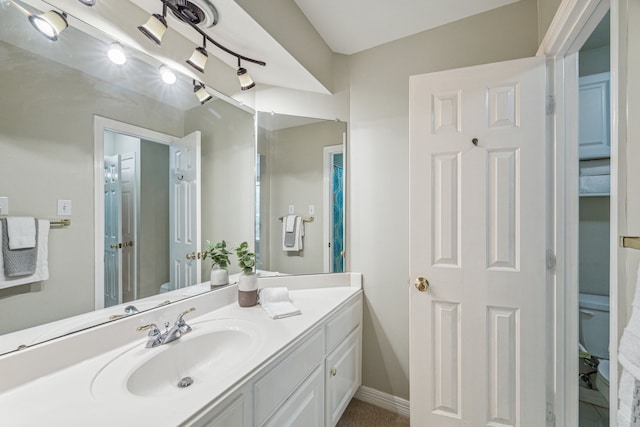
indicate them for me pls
(129, 226)
(477, 150)
(184, 205)
(112, 279)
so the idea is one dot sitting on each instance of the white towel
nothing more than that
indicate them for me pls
(298, 231)
(629, 359)
(42, 265)
(22, 232)
(275, 302)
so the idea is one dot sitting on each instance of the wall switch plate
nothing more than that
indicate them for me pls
(4, 206)
(312, 209)
(292, 209)
(64, 207)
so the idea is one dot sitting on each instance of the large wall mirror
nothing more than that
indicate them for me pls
(52, 96)
(300, 166)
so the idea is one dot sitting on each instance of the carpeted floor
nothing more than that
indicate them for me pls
(361, 414)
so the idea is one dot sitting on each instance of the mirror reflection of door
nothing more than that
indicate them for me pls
(149, 186)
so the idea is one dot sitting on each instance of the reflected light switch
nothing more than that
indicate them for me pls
(4, 206)
(64, 207)
(292, 209)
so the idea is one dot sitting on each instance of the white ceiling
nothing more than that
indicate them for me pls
(350, 26)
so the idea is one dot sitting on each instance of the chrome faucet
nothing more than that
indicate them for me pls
(156, 338)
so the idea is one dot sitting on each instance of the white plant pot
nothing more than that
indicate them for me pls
(248, 290)
(219, 277)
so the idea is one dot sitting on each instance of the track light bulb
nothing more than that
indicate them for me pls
(154, 28)
(49, 24)
(117, 54)
(201, 93)
(246, 82)
(198, 59)
(167, 74)
(88, 2)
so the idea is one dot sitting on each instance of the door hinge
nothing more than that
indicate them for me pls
(551, 416)
(550, 259)
(551, 105)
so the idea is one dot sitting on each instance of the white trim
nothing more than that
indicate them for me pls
(618, 191)
(100, 124)
(571, 26)
(383, 400)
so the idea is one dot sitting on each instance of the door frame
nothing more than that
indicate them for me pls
(100, 125)
(572, 24)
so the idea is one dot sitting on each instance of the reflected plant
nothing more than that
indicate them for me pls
(218, 253)
(246, 259)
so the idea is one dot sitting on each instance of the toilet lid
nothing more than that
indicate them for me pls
(603, 369)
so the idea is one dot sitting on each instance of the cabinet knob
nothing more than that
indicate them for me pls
(333, 372)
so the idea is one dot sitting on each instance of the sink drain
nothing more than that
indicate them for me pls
(185, 382)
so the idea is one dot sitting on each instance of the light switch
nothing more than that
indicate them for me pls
(64, 207)
(4, 206)
(312, 209)
(292, 209)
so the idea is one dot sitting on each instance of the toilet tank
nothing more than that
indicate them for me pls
(594, 324)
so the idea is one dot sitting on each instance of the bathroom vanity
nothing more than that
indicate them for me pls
(237, 367)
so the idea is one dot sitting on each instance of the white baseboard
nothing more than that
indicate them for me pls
(383, 400)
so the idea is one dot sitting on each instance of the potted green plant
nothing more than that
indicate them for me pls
(219, 255)
(248, 282)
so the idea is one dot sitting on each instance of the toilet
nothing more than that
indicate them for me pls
(594, 335)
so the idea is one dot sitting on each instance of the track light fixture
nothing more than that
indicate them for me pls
(201, 92)
(246, 82)
(156, 25)
(49, 24)
(116, 53)
(168, 75)
(199, 57)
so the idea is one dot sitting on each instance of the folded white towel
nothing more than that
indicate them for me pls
(290, 223)
(275, 302)
(42, 265)
(629, 359)
(22, 232)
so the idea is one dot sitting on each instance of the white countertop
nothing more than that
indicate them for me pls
(64, 397)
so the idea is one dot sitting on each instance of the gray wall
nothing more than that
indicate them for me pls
(153, 250)
(378, 215)
(594, 245)
(46, 154)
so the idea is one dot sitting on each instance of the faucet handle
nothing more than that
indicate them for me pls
(181, 315)
(154, 329)
(181, 324)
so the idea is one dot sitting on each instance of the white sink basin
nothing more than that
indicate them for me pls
(212, 351)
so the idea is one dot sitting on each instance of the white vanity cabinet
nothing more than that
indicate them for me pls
(593, 119)
(309, 385)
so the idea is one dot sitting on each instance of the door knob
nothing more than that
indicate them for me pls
(422, 284)
(192, 255)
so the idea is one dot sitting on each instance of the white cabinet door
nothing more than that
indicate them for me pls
(235, 411)
(304, 408)
(593, 122)
(343, 373)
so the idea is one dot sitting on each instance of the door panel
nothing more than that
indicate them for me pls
(478, 236)
(112, 280)
(184, 205)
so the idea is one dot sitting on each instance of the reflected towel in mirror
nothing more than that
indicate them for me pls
(42, 259)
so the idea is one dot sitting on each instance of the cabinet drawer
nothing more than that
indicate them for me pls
(278, 384)
(341, 325)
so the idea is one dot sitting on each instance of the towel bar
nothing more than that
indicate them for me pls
(630, 242)
(63, 222)
(304, 218)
